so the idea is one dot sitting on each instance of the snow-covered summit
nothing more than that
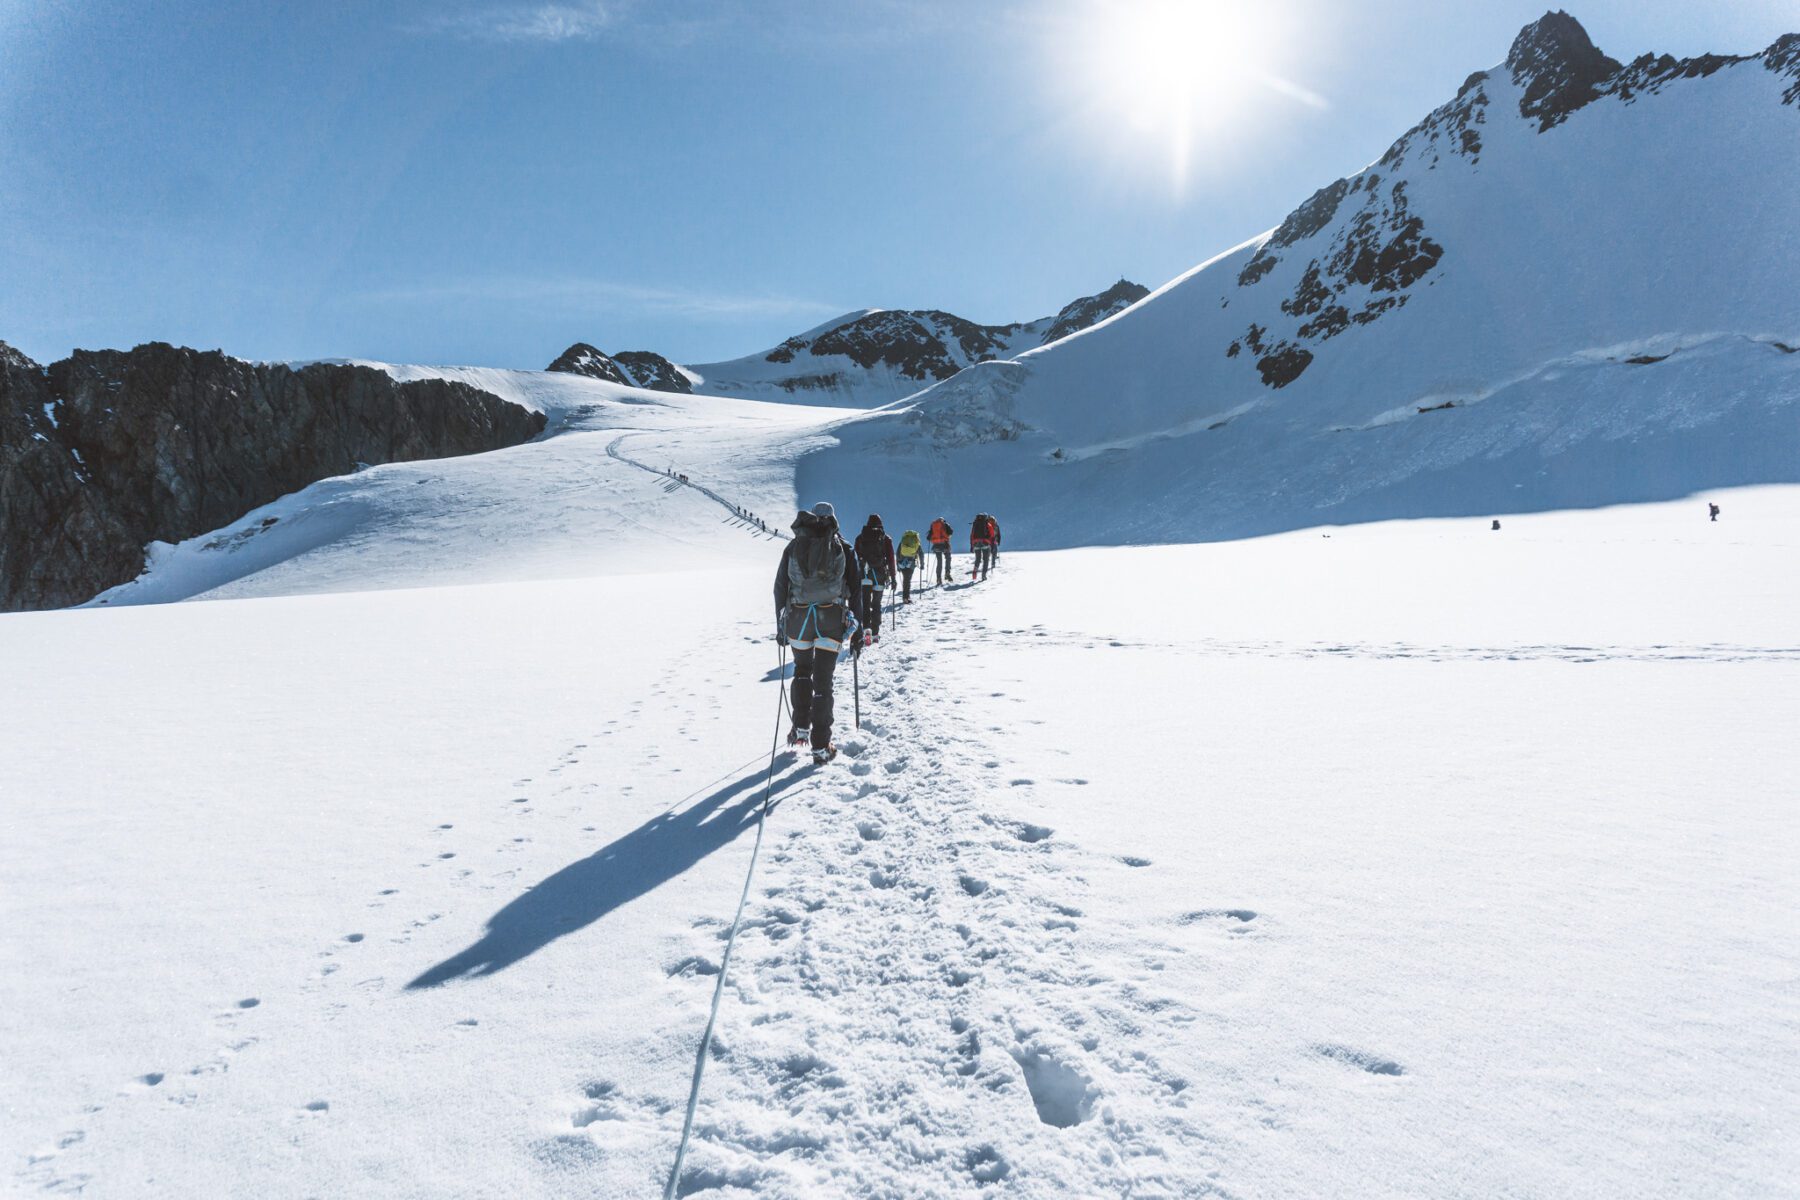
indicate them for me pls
(875, 356)
(1571, 283)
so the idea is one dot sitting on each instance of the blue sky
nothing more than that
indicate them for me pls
(486, 182)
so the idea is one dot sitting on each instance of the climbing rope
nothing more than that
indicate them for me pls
(762, 819)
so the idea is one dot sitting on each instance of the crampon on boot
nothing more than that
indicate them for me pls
(798, 736)
(823, 754)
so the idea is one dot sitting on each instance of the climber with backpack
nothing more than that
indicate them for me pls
(994, 542)
(875, 553)
(816, 589)
(908, 561)
(939, 533)
(981, 545)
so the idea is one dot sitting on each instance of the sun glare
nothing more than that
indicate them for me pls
(1176, 80)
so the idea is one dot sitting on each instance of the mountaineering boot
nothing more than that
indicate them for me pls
(823, 755)
(799, 736)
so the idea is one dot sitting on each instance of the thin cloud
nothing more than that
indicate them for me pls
(597, 295)
(1294, 91)
(524, 23)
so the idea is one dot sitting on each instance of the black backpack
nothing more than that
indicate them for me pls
(815, 565)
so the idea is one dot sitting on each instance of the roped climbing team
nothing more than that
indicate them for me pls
(828, 597)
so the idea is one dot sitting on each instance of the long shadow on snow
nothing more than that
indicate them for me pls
(584, 891)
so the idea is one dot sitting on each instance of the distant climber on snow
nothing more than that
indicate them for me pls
(875, 552)
(1714, 510)
(815, 587)
(940, 533)
(908, 560)
(994, 547)
(981, 545)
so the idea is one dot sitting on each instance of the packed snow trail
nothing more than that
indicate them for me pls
(913, 963)
(737, 511)
(1413, 860)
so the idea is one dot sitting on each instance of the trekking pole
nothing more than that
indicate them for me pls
(856, 682)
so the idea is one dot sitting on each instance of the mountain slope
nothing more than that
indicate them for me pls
(876, 356)
(107, 451)
(1572, 283)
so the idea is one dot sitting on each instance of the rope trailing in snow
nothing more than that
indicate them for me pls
(762, 819)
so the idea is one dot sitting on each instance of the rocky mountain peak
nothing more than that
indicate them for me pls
(1091, 310)
(583, 359)
(16, 360)
(629, 368)
(1559, 67)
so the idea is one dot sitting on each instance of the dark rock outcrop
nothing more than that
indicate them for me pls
(1783, 58)
(647, 369)
(1558, 66)
(583, 359)
(1091, 310)
(109, 450)
(630, 368)
(1561, 70)
(929, 345)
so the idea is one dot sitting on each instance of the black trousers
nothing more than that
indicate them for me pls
(810, 692)
(906, 583)
(941, 552)
(871, 608)
(984, 559)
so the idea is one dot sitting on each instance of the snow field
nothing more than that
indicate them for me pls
(1416, 859)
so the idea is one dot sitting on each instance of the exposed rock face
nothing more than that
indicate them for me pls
(1562, 71)
(583, 359)
(923, 346)
(109, 450)
(646, 369)
(1091, 310)
(1558, 66)
(631, 368)
(1783, 58)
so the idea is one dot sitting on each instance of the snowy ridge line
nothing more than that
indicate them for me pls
(737, 920)
(612, 450)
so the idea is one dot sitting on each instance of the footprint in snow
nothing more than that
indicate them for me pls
(1374, 1064)
(1133, 860)
(1241, 915)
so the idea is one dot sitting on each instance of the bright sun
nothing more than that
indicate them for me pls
(1179, 77)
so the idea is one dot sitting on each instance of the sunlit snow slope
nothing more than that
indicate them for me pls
(1418, 860)
(575, 502)
(1497, 315)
